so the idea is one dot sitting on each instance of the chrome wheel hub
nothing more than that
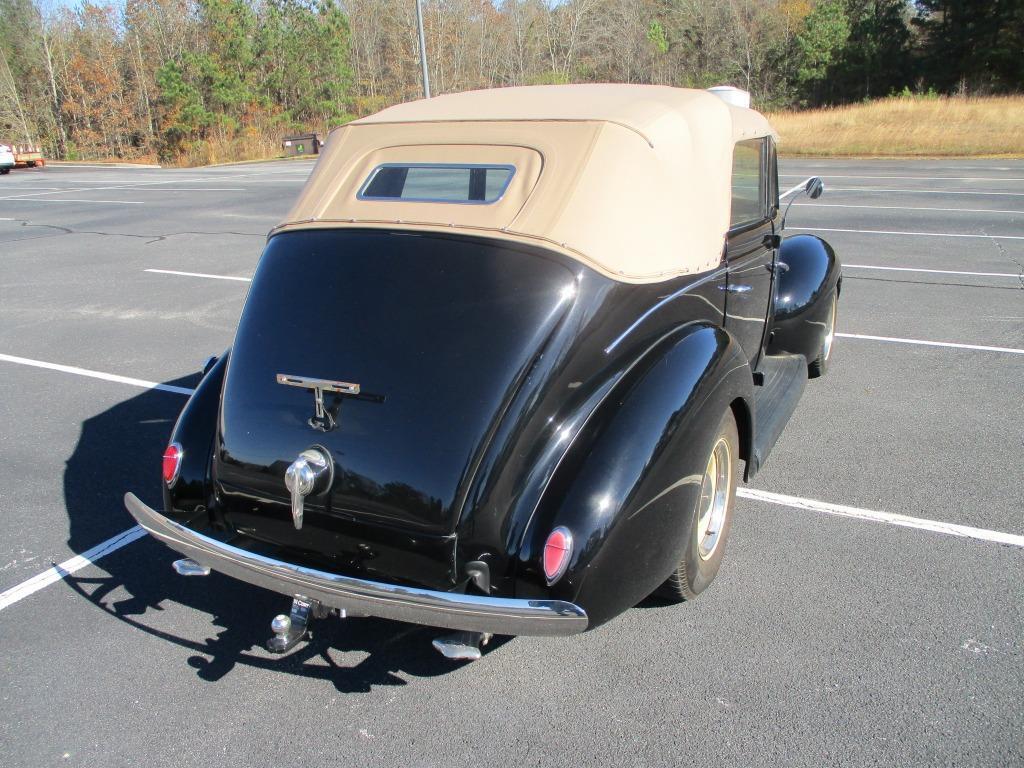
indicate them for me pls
(714, 499)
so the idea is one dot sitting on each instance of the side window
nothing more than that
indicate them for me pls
(773, 176)
(748, 183)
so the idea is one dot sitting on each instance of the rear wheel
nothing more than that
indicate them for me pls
(710, 519)
(819, 365)
(5, 170)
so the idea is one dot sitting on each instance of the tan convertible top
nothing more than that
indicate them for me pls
(632, 180)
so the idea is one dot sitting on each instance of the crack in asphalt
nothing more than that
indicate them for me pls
(149, 238)
(1008, 257)
(1020, 265)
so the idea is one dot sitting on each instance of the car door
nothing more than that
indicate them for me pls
(750, 247)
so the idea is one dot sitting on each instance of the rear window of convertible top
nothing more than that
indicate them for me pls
(437, 182)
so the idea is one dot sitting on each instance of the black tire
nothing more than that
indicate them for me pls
(695, 571)
(5, 171)
(819, 365)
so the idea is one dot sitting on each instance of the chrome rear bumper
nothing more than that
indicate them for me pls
(497, 615)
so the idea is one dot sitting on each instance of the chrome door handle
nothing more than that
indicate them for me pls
(736, 288)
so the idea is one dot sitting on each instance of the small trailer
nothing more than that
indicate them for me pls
(28, 155)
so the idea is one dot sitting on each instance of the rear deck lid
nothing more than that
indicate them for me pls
(436, 331)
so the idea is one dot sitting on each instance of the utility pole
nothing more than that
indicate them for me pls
(423, 51)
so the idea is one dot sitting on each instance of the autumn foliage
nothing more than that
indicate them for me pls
(199, 81)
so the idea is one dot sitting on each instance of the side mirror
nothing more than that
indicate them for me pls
(813, 187)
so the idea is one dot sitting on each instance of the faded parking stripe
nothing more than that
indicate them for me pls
(199, 274)
(76, 563)
(920, 523)
(96, 374)
(924, 343)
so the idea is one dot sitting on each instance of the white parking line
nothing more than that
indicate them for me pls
(151, 188)
(934, 271)
(78, 562)
(114, 543)
(180, 189)
(293, 179)
(91, 181)
(921, 342)
(826, 175)
(247, 179)
(920, 523)
(59, 191)
(37, 200)
(903, 208)
(96, 374)
(923, 191)
(917, 234)
(190, 189)
(148, 184)
(199, 274)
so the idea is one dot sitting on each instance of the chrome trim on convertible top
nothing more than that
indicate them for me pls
(476, 613)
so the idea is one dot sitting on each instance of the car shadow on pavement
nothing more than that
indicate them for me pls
(119, 450)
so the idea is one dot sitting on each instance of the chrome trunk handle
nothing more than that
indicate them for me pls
(310, 473)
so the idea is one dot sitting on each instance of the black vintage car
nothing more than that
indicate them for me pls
(503, 365)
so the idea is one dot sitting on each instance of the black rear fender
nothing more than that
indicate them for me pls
(626, 484)
(195, 431)
(803, 296)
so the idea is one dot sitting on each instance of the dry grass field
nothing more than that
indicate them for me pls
(900, 126)
(907, 127)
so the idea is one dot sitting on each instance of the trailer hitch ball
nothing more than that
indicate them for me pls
(290, 629)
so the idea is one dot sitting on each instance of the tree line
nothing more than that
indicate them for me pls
(203, 80)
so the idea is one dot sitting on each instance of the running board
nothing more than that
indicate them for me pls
(782, 381)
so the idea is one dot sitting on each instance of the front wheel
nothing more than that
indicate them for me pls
(5, 171)
(710, 519)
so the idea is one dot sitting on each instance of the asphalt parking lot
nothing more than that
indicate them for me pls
(870, 610)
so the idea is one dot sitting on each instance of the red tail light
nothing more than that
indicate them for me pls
(557, 551)
(172, 462)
